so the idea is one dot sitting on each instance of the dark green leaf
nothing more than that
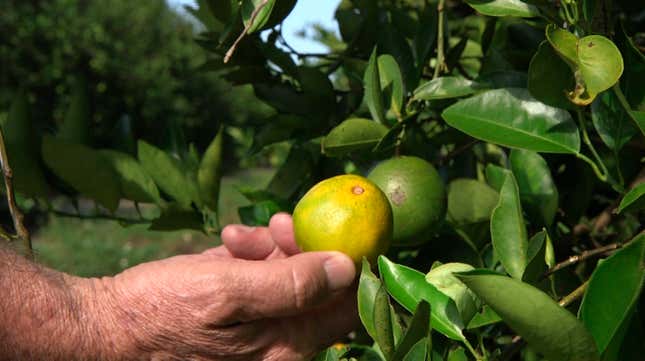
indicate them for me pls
(368, 286)
(175, 217)
(515, 8)
(632, 81)
(135, 183)
(351, 135)
(634, 200)
(547, 328)
(76, 125)
(262, 15)
(408, 287)
(209, 174)
(502, 79)
(168, 173)
(383, 323)
(418, 330)
(536, 264)
(484, 318)
(373, 94)
(419, 351)
(445, 88)
(538, 191)
(23, 145)
(612, 121)
(426, 35)
(457, 354)
(84, 169)
(296, 171)
(550, 78)
(508, 230)
(639, 117)
(613, 292)
(513, 118)
(260, 213)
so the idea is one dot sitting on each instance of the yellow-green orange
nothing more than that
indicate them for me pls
(346, 213)
(416, 194)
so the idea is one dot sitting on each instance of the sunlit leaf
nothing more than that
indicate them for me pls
(351, 135)
(135, 183)
(373, 94)
(515, 8)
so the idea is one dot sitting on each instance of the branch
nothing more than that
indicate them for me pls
(571, 297)
(581, 257)
(16, 214)
(441, 56)
(254, 14)
(99, 217)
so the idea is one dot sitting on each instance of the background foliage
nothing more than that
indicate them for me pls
(532, 111)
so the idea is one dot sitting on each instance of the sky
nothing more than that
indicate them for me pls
(305, 13)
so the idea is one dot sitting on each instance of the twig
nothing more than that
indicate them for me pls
(571, 297)
(581, 257)
(441, 56)
(254, 14)
(16, 213)
(99, 217)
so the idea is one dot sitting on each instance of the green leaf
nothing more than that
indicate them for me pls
(508, 230)
(445, 88)
(373, 94)
(84, 169)
(470, 201)
(419, 352)
(418, 330)
(550, 78)
(23, 145)
(391, 83)
(547, 328)
(513, 118)
(260, 213)
(612, 121)
(383, 323)
(601, 63)
(634, 200)
(564, 43)
(408, 287)
(136, 185)
(614, 289)
(632, 81)
(76, 125)
(443, 279)
(209, 174)
(536, 264)
(538, 191)
(295, 172)
(262, 16)
(351, 135)
(175, 217)
(367, 288)
(495, 176)
(639, 117)
(426, 35)
(332, 353)
(457, 354)
(168, 173)
(484, 318)
(516, 8)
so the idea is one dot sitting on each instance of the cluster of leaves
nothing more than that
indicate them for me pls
(534, 113)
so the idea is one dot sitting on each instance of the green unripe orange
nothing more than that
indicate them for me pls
(416, 194)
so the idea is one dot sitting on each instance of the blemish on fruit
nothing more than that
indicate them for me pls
(398, 196)
(591, 44)
(358, 190)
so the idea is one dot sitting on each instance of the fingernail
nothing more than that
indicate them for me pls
(245, 229)
(340, 272)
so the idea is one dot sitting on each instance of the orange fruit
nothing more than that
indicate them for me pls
(346, 213)
(416, 194)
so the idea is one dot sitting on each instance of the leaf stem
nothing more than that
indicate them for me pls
(441, 56)
(16, 214)
(602, 172)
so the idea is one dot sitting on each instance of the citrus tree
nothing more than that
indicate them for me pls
(507, 136)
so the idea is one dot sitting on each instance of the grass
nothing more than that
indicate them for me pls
(92, 248)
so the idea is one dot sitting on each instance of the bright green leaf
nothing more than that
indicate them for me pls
(614, 289)
(600, 62)
(373, 94)
(262, 15)
(408, 287)
(445, 88)
(391, 83)
(351, 135)
(547, 328)
(634, 200)
(495, 176)
(367, 288)
(136, 184)
(84, 169)
(443, 279)
(508, 230)
(564, 42)
(516, 8)
(513, 118)
(538, 191)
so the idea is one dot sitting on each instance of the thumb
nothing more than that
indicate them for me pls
(288, 286)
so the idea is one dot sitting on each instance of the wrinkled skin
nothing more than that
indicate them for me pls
(256, 297)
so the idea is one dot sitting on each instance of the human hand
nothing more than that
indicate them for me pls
(254, 298)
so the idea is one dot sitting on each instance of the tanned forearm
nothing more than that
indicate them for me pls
(47, 315)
